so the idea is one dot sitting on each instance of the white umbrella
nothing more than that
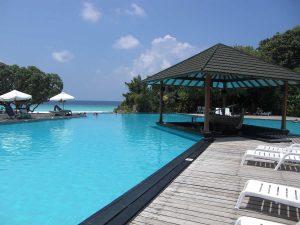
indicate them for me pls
(14, 96)
(62, 97)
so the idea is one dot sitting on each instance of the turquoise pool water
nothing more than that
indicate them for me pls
(60, 172)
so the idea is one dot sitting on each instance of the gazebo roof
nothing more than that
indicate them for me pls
(228, 66)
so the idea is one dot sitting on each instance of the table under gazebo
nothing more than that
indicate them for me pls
(224, 67)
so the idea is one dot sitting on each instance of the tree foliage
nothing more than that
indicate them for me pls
(282, 49)
(143, 98)
(140, 98)
(30, 80)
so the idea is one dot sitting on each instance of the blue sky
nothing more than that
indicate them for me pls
(97, 45)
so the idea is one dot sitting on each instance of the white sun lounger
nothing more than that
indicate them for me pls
(273, 192)
(244, 220)
(293, 147)
(281, 158)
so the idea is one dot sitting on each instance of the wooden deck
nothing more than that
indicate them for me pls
(206, 192)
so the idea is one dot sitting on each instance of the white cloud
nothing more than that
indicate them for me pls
(90, 13)
(126, 42)
(62, 56)
(164, 52)
(136, 10)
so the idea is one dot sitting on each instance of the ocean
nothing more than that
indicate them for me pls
(81, 106)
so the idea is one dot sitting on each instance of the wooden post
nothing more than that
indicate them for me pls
(284, 106)
(207, 103)
(161, 93)
(224, 95)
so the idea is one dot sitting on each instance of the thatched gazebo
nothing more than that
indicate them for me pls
(224, 67)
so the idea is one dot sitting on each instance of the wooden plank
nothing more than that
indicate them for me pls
(146, 220)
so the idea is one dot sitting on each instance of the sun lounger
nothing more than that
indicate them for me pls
(272, 192)
(260, 112)
(244, 220)
(264, 156)
(268, 148)
(61, 112)
(266, 113)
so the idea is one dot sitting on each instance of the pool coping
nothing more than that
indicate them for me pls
(128, 205)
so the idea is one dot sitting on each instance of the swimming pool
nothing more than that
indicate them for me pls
(61, 172)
